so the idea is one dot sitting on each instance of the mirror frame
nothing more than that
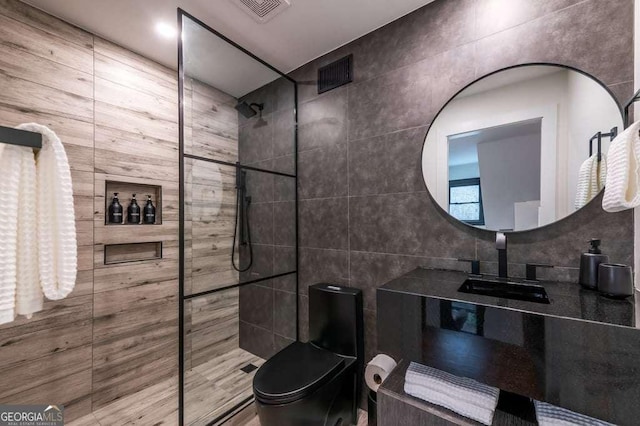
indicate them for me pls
(455, 95)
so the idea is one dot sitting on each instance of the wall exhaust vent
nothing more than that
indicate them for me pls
(335, 74)
(262, 10)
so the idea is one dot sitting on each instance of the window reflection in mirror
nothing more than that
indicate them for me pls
(506, 153)
(465, 200)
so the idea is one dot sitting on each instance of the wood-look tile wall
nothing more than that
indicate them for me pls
(117, 116)
(211, 321)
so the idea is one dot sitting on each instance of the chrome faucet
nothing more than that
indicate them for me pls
(501, 246)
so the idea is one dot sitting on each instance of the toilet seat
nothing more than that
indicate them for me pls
(295, 372)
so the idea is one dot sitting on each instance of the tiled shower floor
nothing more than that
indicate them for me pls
(211, 389)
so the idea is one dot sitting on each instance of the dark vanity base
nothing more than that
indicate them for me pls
(521, 347)
(396, 408)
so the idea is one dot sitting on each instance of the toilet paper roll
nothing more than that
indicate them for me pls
(377, 371)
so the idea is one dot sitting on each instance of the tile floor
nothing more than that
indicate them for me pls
(211, 389)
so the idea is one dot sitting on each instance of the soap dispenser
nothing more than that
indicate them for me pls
(149, 212)
(589, 263)
(115, 210)
(133, 212)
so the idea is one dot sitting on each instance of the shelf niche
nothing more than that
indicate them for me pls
(125, 191)
(132, 252)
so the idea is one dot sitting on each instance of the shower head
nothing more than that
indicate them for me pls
(248, 110)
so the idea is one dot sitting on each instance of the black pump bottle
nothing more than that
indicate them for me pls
(149, 212)
(589, 263)
(133, 212)
(115, 210)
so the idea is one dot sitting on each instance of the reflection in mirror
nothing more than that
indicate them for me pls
(519, 149)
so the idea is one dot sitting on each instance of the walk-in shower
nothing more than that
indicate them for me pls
(238, 221)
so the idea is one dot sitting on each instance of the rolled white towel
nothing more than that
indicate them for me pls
(623, 179)
(460, 394)
(56, 229)
(465, 389)
(591, 180)
(551, 415)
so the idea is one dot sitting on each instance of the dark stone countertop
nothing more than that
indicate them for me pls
(568, 300)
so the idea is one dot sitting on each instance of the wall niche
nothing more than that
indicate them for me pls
(125, 191)
(132, 252)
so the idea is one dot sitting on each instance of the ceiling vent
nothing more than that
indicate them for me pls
(262, 10)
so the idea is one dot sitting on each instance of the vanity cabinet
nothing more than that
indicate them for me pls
(579, 352)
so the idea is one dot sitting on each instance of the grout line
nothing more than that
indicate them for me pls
(284, 337)
(348, 193)
(405, 129)
(93, 228)
(423, 191)
(321, 248)
(543, 16)
(49, 33)
(256, 326)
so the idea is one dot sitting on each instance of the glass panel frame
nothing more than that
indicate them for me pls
(284, 202)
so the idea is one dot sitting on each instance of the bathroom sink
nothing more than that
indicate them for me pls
(505, 289)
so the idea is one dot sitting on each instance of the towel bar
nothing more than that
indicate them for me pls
(612, 134)
(634, 98)
(19, 137)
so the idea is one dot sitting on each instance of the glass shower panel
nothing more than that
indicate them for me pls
(239, 258)
(211, 196)
(213, 221)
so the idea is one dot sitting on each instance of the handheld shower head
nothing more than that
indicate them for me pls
(248, 110)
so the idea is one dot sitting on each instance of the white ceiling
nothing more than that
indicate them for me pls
(210, 59)
(305, 31)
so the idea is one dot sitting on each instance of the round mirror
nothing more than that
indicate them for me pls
(521, 148)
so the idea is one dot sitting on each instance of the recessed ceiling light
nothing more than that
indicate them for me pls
(166, 30)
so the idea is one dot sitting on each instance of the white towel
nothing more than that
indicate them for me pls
(460, 394)
(56, 229)
(623, 179)
(10, 164)
(591, 180)
(550, 415)
(28, 291)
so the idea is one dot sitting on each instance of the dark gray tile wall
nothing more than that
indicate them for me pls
(268, 308)
(365, 216)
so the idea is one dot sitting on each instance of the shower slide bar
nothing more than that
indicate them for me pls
(19, 137)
